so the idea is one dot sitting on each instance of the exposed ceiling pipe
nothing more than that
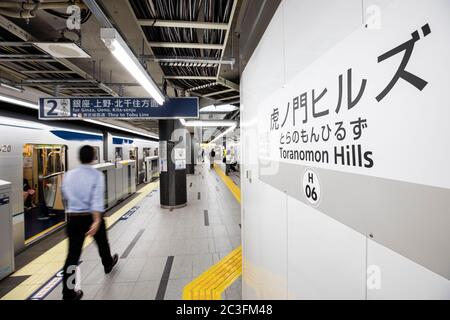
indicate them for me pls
(27, 10)
(28, 6)
(22, 14)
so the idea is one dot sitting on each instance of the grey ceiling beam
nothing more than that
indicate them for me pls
(230, 102)
(190, 77)
(12, 72)
(62, 88)
(192, 60)
(13, 29)
(227, 34)
(227, 83)
(26, 56)
(218, 93)
(15, 44)
(55, 81)
(89, 94)
(47, 72)
(86, 76)
(187, 45)
(182, 24)
(229, 98)
(25, 60)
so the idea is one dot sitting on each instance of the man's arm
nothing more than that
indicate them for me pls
(64, 192)
(97, 204)
(95, 225)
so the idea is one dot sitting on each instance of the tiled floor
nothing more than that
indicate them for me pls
(196, 236)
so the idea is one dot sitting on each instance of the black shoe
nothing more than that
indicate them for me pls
(76, 295)
(115, 259)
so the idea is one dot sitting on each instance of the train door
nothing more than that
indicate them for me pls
(146, 152)
(43, 170)
(134, 155)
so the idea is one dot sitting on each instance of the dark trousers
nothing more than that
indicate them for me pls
(77, 226)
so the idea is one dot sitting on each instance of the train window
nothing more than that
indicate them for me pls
(147, 152)
(133, 154)
(119, 154)
(96, 155)
(51, 158)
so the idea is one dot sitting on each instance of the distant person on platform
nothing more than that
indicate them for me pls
(212, 156)
(84, 190)
(28, 194)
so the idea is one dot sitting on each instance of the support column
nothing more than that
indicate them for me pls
(190, 155)
(172, 137)
(194, 150)
(197, 145)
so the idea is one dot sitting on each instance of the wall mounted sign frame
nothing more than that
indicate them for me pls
(117, 108)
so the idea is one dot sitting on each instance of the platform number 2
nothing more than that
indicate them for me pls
(52, 104)
(57, 108)
(311, 187)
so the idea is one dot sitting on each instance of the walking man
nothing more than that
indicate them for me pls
(83, 191)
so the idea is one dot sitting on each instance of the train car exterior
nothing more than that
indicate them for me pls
(121, 147)
(34, 157)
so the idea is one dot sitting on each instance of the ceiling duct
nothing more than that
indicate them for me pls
(62, 49)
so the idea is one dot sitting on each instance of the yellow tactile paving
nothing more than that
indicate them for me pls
(29, 269)
(235, 190)
(49, 263)
(211, 284)
(24, 291)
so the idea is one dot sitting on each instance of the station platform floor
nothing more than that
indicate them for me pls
(160, 251)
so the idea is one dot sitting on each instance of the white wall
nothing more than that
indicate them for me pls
(291, 249)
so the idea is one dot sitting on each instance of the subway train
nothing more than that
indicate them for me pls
(34, 155)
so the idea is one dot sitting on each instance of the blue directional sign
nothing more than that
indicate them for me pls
(117, 108)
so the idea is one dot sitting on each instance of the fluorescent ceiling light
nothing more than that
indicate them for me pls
(120, 50)
(219, 109)
(204, 123)
(18, 102)
(62, 49)
(34, 106)
(5, 85)
(223, 134)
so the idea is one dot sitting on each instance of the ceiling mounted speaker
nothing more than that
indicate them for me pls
(62, 49)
